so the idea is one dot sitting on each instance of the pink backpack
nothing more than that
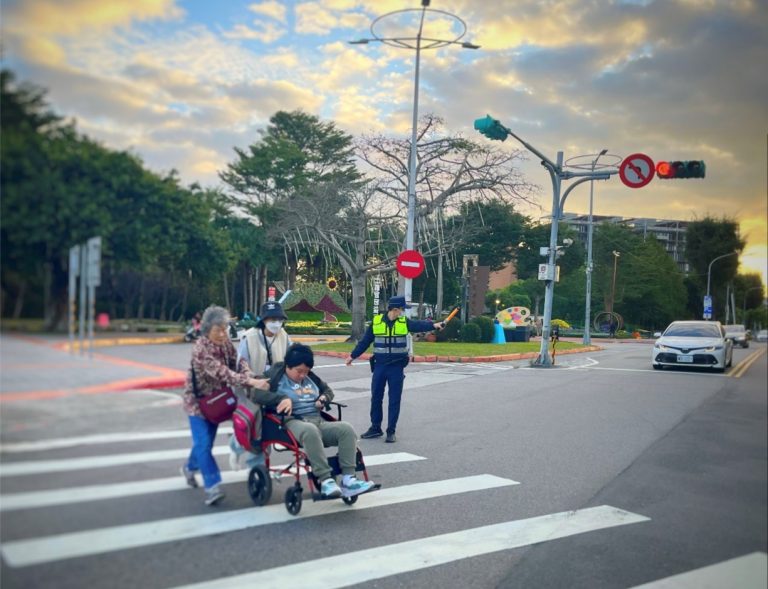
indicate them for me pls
(246, 424)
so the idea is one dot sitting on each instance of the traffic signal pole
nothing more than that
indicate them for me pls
(493, 129)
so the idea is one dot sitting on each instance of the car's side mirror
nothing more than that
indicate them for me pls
(656, 334)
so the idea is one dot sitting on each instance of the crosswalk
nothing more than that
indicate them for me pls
(51, 552)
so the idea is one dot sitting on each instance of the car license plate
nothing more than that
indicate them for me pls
(684, 358)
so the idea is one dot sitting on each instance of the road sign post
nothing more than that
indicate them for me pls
(707, 307)
(74, 272)
(93, 280)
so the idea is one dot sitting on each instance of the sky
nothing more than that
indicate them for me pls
(182, 82)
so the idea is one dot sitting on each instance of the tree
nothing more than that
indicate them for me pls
(492, 229)
(705, 240)
(61, 188)
(451, 172)
(296, 152)
(649, 289)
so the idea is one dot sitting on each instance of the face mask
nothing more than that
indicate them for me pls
(273, 326)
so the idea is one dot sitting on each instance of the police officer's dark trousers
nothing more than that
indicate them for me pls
(392, 377)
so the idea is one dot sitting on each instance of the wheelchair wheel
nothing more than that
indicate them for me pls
(259, 485)
(350, 500)
(293, 499)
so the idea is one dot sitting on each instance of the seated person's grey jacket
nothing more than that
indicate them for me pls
(272, 398)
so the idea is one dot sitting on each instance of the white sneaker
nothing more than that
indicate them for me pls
(329, 489)
(213, 495)
(353, 486)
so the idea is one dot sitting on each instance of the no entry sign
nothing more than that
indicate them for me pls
(636, 170)
(410, 263)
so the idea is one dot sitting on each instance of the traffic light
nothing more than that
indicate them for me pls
(688, 169)
(491, 128)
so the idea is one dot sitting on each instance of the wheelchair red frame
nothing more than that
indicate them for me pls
(275, 435)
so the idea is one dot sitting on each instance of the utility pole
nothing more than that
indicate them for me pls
(493, 129)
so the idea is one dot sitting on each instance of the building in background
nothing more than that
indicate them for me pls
(668, 232)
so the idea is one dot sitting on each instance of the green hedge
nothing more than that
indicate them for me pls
(470, 333)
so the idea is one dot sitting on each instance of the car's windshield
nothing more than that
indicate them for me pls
(734, 329)
(692, 331)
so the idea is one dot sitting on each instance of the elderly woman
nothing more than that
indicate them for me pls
(214, 363)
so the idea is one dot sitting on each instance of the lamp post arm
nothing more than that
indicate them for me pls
(600, 176)
(709, 269)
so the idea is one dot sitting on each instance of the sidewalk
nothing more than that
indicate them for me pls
(35, 367)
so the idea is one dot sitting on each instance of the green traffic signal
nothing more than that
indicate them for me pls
(491, 128)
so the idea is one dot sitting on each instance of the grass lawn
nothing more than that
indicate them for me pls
(459, 348)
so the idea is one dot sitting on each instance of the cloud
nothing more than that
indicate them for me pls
(272, 9)
(264, 32)
(316, 18)
(71, 17)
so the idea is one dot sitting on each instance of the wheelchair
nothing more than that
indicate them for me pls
(274, 435)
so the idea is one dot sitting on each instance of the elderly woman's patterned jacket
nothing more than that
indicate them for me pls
(214, 366)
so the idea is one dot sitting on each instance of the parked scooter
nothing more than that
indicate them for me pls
(193, 331)
(191, 334)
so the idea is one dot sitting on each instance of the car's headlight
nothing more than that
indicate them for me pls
(713, 348)
(661, 347)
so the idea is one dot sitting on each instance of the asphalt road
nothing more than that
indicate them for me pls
(598, 473)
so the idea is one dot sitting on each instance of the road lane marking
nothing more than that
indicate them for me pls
(362, 566)
(745, 572)
(742, 366)
(70, 495)
(11, 469)
(33, 551)
(55, 443)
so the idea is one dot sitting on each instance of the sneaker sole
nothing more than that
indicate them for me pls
(214, 500)
(191, 481)
(354, 493)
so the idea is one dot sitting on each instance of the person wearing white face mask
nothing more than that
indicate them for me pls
(262, 347)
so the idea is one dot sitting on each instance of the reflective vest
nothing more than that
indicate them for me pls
(390, 339)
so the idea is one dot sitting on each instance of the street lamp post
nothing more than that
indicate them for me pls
(744, 306)
(709, 269)
(613, 282)
(588, 305)
(417, 43)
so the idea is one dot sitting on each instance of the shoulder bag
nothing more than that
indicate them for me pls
(219, 405)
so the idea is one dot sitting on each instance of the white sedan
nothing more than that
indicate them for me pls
(699, 344)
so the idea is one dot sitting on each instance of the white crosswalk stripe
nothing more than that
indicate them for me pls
(348, 569)
(12, 469)
(358, 566)
(91, 542)
(70, 495)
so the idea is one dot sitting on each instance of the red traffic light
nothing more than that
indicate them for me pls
(663, 170)
(678, 169)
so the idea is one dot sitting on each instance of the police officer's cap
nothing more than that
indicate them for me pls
(397, 303)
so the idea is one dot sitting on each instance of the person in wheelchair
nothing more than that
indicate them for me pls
(292, 388)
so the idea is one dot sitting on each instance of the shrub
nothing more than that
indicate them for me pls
(486, 328)
(451, 331)
(470, 333)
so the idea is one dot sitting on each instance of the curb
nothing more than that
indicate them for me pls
(466, 359)
(122, 341)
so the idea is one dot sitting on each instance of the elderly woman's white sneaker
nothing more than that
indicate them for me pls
(213, 495)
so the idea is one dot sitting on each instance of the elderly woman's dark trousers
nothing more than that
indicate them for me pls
(391, 377)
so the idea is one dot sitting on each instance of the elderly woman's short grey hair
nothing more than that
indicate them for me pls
(213, 316)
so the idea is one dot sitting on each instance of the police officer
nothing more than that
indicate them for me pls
(388, 333)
